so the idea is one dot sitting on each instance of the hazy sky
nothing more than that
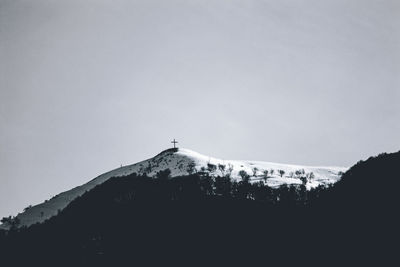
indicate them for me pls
(88, 85)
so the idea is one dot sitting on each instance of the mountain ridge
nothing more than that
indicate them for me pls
(181, 161)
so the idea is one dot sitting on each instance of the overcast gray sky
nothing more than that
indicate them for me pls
(88, 85)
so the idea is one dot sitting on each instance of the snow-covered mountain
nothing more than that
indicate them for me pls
(181, 162)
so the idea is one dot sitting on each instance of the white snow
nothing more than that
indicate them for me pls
(178, 163)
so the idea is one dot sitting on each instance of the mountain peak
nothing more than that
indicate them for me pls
(182, 161)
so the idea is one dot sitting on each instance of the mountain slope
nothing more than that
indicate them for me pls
(137, 220)
(179, 161)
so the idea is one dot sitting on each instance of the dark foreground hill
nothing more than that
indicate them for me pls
(197, 219)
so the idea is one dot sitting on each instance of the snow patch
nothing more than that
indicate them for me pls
(178, 162)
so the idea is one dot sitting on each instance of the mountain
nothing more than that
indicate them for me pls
(181, 162)
(138, 220)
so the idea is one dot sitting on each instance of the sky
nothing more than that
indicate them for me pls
(88, 85)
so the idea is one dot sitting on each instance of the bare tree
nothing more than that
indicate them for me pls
(221, 168)
(244, 175)
(281, 172)
(265, 175)
(310, 176)
(255, 170)
(211, 167)
(229, 170)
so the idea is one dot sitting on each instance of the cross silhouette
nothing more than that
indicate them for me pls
(174, 142)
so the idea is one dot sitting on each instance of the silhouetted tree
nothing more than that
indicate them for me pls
(163, 174)
(223, 186)
(241, 190)
(207, 185)
(300, 173)
(265, 175)
(281, 172)
(244, 175)
(191, 168)
(229, 170)
(27, 208)
(12, 222)
(211, 167)
(221, 168)
(6, 219)
(255, 170)
(148, 168)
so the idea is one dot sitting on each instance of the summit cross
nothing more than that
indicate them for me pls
(174, 142)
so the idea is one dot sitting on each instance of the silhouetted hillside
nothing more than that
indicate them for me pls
(371, 184)
(136, 220)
